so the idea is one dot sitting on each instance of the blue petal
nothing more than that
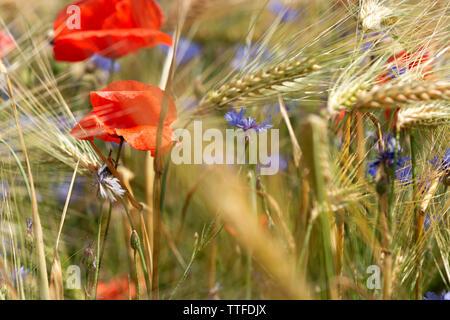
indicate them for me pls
(265, 125)
(445, 296)
(187, 50)
(372, 168)
(104, 63)
(431, 296)
(234, 119)
(404, 174)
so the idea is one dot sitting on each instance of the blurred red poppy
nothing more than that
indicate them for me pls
(6, 44)
(404, 61)
(339, 117)
(263, 223)
(116, 289)
(400, 64)
(110, 28)
(128, 109)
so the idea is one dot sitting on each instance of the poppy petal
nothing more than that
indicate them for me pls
(91, 126)
(144, 138)
(112, 44)
(131, 110)
(124, 104)
(112, 28)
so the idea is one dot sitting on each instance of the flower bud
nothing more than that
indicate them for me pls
(134, 241)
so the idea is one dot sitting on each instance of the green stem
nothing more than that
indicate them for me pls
(37, 227)
(137, 277)
(305, 243)
(254, 202)
(144, 267)
(323, 212)
(188, 268)
(102, 250)
(141, 253)
(97, 267)
(87, 288)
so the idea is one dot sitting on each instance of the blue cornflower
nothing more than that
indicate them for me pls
(404, 172)
(236, 119)
(433, 296)
(250, 123)
(395, 72)
(368, 45)
(21, 272)
(386, 158)
(187, 50)
(14, 275)
(280, 9)
(429, 220)
(442, 163)
(105, 63)
(371, 39)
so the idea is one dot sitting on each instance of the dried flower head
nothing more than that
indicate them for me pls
(108, 186)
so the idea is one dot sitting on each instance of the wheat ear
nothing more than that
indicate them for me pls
(423, 116)
(256, 84)
(392, 94)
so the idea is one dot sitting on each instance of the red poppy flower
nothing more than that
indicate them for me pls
(6, 44)
(127, 109)
(111, 28)
(116, 289)
(404, 61)
(401, 63)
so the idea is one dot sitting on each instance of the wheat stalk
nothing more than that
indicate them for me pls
(262, 82)
(391, 94)
(37, 227)
(426, 115)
